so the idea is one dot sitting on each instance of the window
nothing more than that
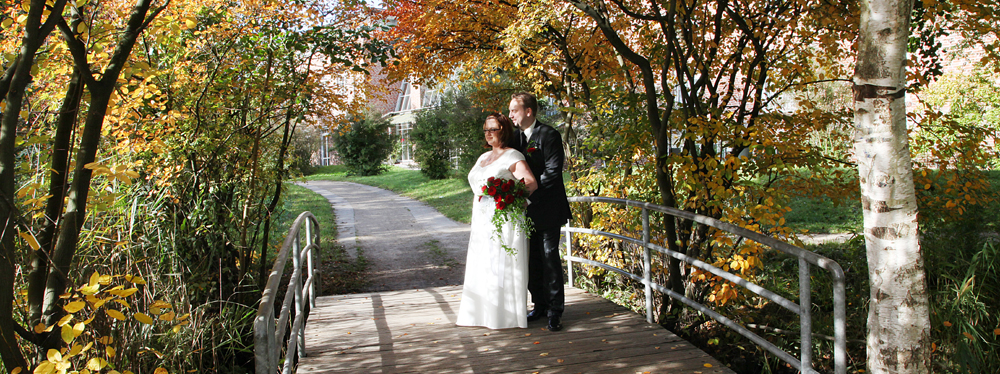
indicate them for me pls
(432, 98)
(403, 102)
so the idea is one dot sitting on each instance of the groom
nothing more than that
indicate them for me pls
(543, 150)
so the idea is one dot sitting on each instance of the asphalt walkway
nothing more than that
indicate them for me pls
(408, 244)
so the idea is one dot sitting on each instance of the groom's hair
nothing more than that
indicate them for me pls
(527, 101)
(506, 132)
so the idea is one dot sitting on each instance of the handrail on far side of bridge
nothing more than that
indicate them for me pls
(806, 258)
(299, 299)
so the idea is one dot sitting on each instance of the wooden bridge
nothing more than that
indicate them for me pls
(413, 331)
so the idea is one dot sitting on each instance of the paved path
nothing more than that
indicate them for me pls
(407, 243)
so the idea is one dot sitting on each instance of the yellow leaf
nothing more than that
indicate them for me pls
(46, 367)
(160, 304)
(30, 239)
(67, 333)
(89, 290)
(708, 365)
(110, 351)
(190, 23)
(96, 364)
(947, 324)
(142, 317)
(106, 340)
(78, 329)
(63, 321)
(996, 332)
(76, 350)
(115, 314)
(123, 303)
(169, 316)
(53, 355)
(968, 335)
(161, 371)
(39, 328)
(135, 279)
(74, 307)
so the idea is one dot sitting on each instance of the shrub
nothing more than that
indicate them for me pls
(364, 145)
(433, 147)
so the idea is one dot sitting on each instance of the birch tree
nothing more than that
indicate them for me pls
(898, 317)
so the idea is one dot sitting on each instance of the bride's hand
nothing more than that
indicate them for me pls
(521, 171)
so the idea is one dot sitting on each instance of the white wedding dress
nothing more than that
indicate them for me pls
(495, 294)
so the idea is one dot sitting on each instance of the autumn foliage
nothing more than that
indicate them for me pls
(144, 147)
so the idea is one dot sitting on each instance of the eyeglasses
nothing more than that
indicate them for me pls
(486, 131)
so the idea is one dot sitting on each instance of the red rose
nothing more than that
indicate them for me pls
(492, 191)
(501, 205)
(484, 188)
(506, 187)
(508, 199)
(532, 149)
(490, 180)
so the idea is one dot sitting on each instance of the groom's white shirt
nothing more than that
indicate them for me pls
(530, 129)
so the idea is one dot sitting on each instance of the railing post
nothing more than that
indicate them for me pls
(272, 344)
(647, 265)
(839, 327)
(297, 268)
(569, 263)
(805, 317)
(309, 263)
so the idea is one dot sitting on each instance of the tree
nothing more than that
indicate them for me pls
(898, 316)
(138, 134)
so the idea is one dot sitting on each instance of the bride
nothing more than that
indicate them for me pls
(495, 291)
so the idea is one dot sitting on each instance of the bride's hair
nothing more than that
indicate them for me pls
(506, 132)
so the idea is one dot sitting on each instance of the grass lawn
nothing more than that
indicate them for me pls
(452, 197)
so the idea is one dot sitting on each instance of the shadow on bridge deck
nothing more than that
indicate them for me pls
(413, 331)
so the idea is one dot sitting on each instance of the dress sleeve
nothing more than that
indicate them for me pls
(515, 156)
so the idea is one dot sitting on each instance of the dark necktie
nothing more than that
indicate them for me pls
(524, 139)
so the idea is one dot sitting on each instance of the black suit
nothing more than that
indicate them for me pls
(548, 211)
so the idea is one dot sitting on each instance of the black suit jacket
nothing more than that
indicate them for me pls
(544, 155)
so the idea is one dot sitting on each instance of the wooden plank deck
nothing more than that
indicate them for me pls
(413, 331)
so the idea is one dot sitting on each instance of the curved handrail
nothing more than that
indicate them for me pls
(804, 362)
(267, 329)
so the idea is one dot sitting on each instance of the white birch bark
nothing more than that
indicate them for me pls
(898, 316)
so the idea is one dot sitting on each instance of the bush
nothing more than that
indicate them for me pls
(364, 146)
(433, 148)
(449, 137)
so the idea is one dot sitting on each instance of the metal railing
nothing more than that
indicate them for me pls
(804, 362)
(300, 298)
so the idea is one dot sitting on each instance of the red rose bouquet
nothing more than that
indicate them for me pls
(511, 197)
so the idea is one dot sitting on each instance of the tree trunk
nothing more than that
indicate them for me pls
(58, 177)
(898, 315)
(13, 85)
